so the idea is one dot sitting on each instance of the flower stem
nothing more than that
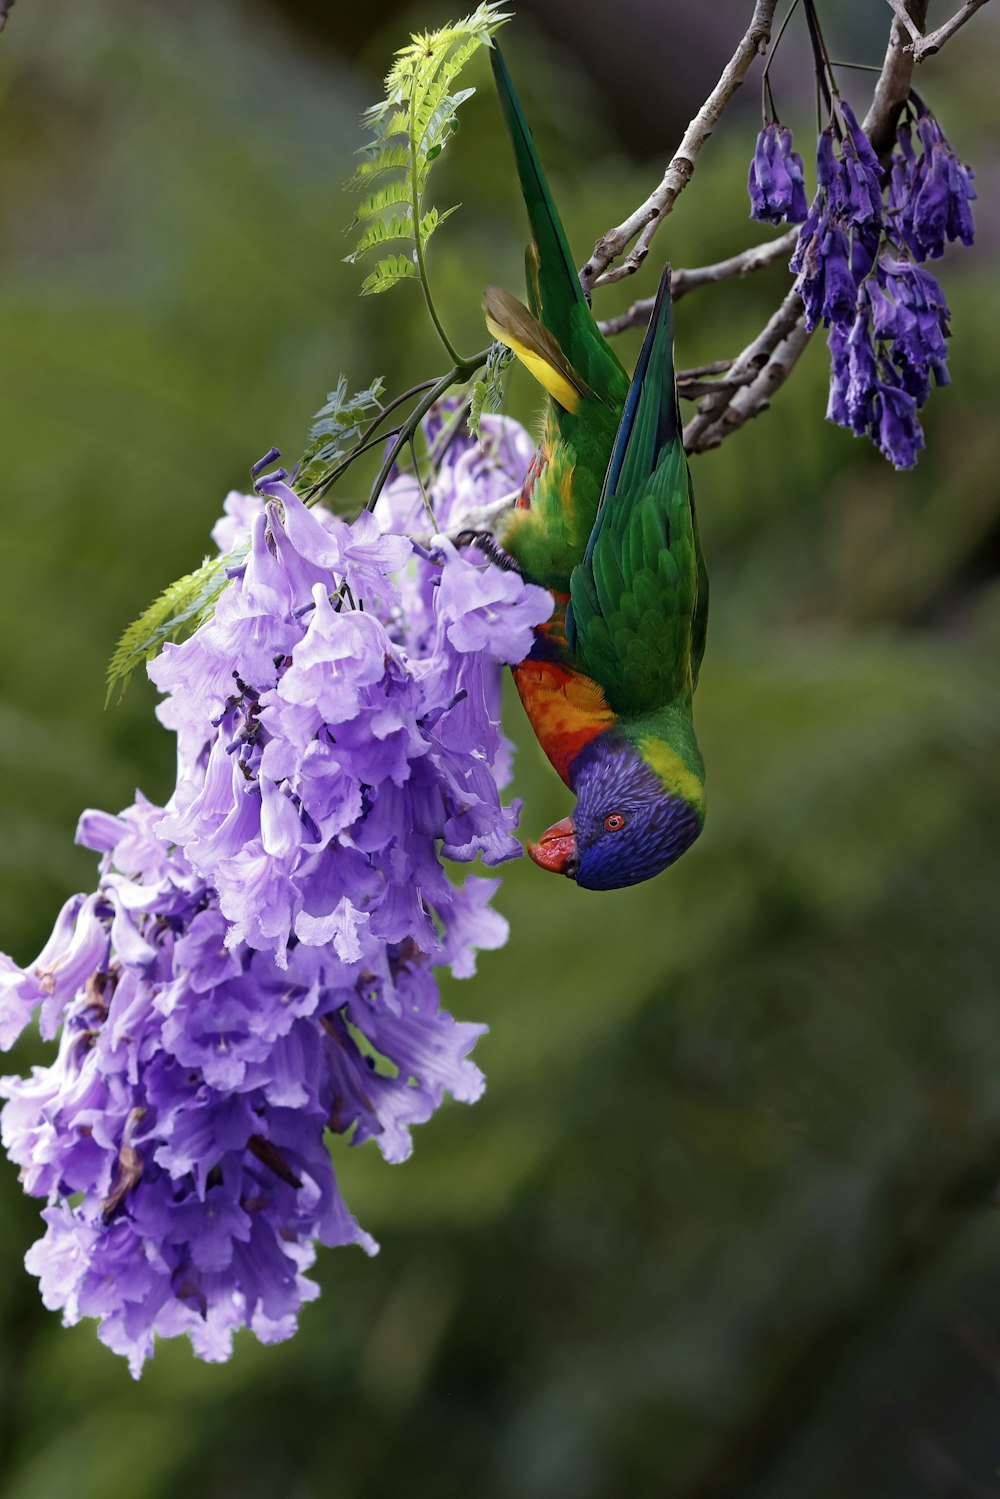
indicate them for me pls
(766, 96)
(418, 243)
(461, 370)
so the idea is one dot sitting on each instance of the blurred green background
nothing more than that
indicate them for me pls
(724, 1223)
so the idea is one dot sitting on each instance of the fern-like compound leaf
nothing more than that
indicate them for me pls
(410, 128)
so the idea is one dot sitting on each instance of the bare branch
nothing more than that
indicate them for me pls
(5, 8)
(646, 219)
(925, 46)
(893, 85)
(905, 18)
(755, 397)
(683, 281)
(747, 367)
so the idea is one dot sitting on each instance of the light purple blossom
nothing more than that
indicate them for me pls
(256, 969)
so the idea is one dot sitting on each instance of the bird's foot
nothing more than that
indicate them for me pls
(490, 548)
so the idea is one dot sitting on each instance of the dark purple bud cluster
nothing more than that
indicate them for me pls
(839, 240)
(857, 263)
(257, 970)
(929, 195)
(885, 363)
(776, 182)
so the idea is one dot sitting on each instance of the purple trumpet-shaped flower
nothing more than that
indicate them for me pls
(860, 173)
(776, 183)
(883, 368)
(929, 195)
(839, 239)
(256, 970)
(942, 191)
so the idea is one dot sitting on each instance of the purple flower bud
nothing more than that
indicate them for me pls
(775, 182)
(899, 435)
(825, 281)
(942, 189)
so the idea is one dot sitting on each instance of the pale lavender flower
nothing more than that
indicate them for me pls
(256, 945)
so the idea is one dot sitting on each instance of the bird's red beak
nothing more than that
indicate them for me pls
(556, 849)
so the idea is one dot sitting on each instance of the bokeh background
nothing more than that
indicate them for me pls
(724, 1223)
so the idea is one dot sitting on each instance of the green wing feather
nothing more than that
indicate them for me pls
(548, 537)
(638, 610)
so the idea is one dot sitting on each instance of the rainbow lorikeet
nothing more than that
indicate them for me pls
(606, 521)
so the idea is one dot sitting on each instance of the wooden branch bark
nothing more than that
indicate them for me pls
(600, 269)
(925, 46)
(756, 258)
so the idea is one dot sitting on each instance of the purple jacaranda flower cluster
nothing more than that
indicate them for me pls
(776, 181)
(929, 195)
(839, 240)
(859, 272)
(884, 363)
(256, 970)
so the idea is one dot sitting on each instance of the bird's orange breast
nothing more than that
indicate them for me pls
(566, 710)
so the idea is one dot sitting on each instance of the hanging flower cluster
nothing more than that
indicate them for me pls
(256, 969)
(928, 197)
(776, 182)
(858, 263)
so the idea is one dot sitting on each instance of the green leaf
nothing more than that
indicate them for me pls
(179, 610)
(388, 271)
(487, 393)
(410, 128)
(336, 429)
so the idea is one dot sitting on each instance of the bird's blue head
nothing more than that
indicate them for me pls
(627, 826)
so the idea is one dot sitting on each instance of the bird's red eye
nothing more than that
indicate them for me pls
(614, 821)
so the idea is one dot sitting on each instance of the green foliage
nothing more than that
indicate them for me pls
(176, 612)
(336, 429)
(410, 128)
(487, 393)
(712, 1230)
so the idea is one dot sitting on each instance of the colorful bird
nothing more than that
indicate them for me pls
(606, 521)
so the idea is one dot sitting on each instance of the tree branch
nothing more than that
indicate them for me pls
(683, 281)
(893, 85)
(905, 18)
(646, 219)
(773, 354)
(712, 422)
(925, 46)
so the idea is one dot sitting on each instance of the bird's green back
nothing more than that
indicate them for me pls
(639, 597)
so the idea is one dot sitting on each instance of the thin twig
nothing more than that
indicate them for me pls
(756, 258)
(646, 219)
(694, 390)
(480, 521)
(755, 397)
(746, 367)
(926, 45)
(904, 16)
(716, 367)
